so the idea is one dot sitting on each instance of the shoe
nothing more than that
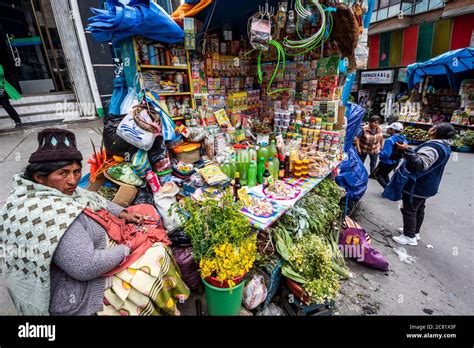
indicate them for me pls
(417, 235)
(404, 240)
(18, 125)
(372, 176)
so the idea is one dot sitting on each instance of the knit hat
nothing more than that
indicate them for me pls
(56, 145)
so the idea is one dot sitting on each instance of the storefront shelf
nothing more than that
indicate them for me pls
(164, 67)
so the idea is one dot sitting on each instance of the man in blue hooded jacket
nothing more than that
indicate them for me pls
(390, 155)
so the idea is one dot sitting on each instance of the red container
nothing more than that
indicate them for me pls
(152, 181)
(298, 291)
(214, 282)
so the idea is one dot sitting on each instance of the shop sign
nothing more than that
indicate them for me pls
(376, 77)
(403, 75)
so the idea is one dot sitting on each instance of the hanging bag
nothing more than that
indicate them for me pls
(140, 163)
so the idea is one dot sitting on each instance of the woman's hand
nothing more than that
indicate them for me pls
(135, 218)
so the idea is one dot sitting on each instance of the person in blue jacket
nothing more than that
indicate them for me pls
(390, 155)
(425, 166)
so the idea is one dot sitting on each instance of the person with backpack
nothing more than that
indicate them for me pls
(418, 178)
(390, 155)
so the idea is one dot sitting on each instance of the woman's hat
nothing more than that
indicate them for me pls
(56, 145)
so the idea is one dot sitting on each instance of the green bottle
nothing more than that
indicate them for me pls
(271, 167)
(276, 167)
(252, 174)
(272, 149)
(260, 170)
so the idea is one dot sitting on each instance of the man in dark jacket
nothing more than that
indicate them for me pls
(390, 155)
(431, 158)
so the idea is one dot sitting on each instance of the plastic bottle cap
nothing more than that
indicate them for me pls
(262, 158)
(237, 175)
(270, 159)
(264, 144)
(266, 164)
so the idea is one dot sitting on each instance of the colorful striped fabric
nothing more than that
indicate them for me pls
(374, 45)
(410, 42)
(396, 41)
(441, 37)
(425, 41)
(384, 52)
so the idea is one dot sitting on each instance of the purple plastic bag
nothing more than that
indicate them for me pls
(354, 244)
(189, 269)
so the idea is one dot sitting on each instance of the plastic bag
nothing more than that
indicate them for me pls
(129, 131)
(164, 199)
(115, 145)
(272, 310)
(144, 197)
(158, 151)
(140, 163)
(255, 292)
(189, 268)
(124, 173)
(403, 255)
(167, 124)
(260, 33)
(128, 102)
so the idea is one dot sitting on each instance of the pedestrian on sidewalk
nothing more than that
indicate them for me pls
(418, 178)
(7, 91)
(369, 142)
(390, 155)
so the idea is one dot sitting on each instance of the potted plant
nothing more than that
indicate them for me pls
(223, 246)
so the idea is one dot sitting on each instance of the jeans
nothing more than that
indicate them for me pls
(373, 161)
(5, 102)
(382, 171)
(413, 214)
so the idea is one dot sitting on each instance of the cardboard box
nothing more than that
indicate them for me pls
(125, 194)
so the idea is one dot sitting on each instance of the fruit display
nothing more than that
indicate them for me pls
(418, 134)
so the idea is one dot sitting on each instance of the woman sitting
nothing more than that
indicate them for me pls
(84, 254)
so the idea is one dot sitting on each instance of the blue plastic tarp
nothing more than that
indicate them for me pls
(449, 63)
(140, 17)
(353, 176)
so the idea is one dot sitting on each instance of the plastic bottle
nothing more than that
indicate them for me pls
(252, 173)
(263, 152)
(232, 168)
(287, 166)
(245, 160)
(226, 168)
(272, 149)
(260, 170)
(276, 167)
(271, 167)
(252, 152)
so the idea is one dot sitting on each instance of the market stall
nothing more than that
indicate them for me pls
(235, 135)
(442, 90)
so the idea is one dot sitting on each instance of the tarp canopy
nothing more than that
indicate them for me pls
(449, 64)
(139, 17)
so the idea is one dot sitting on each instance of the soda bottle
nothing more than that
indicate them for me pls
(276, 167)
(237, 186)
(266, 176)
(252, 174)
(281, 168)
(287, 166)
(263, 152)
(271, 167)
(252, 152)
(226, 168)
(272, 149)
(245, 162)
(260, 170)
(232, 168)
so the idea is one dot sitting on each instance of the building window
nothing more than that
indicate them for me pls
(393, 10)
(422, 6)
(374, 17)
(383, 13)
(384, 3)
(436, 4)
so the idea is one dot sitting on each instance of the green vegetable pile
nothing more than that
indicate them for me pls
(307, 238)
(467, 139)
(413, 133)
